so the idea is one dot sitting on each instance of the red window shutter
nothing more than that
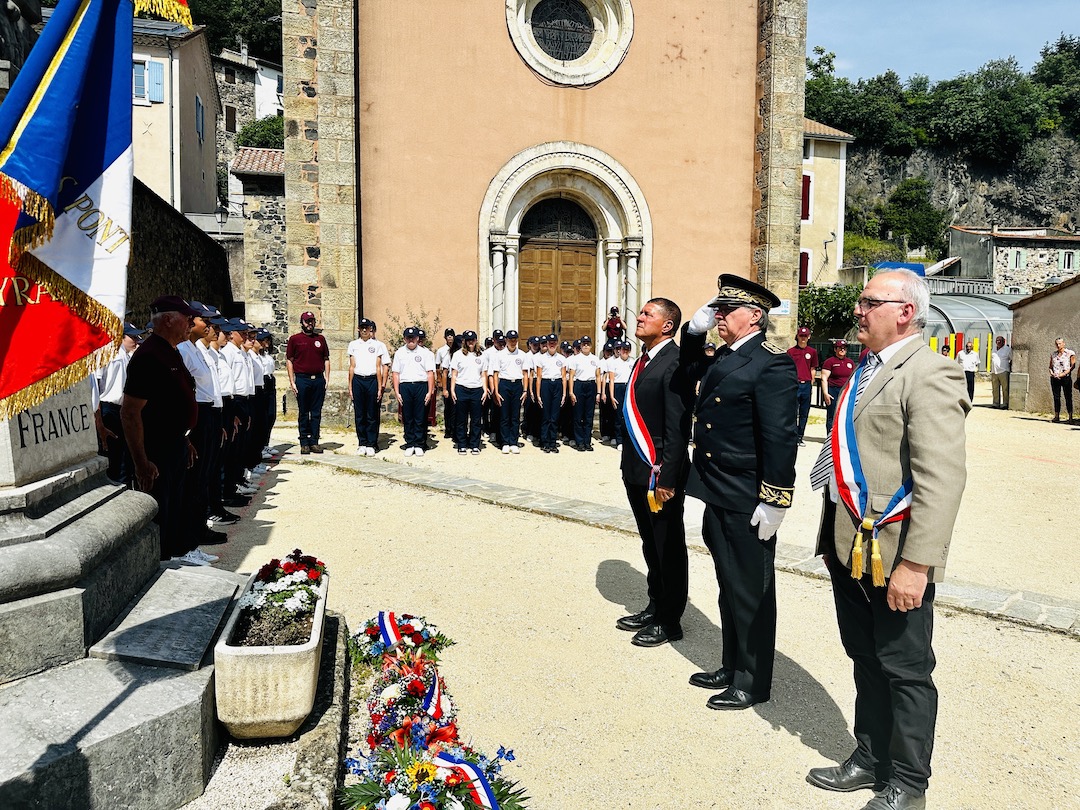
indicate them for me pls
(805, 197)
(804, 269)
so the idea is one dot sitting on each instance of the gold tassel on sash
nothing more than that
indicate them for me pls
(877, 571)
(857, 549)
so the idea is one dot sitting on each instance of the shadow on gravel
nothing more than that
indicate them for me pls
(800, 705)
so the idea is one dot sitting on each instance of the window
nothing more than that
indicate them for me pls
(147, 81)
(280, 84)
(1067, 260)
(140, 82)
(807, 149)
(804, 268)
(807, 198)
(200, 119)
(230, 118)
(1017, 258)
(230, 75)
(562, 28)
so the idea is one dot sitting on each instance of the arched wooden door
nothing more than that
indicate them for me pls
(557, 270)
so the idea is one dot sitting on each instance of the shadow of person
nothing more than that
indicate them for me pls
(800, 705)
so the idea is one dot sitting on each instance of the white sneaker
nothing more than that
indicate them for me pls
(192, 558)
(371, 451)
(618, 447)
(361, 451)
(247, 476)
(244, 489)
(268, 454)
(515, 449)
(210, 558)
(506, 449)
(260, 469)
(418, 451)
(409, 451)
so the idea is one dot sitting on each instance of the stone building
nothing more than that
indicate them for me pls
(531, 163)
(1018, 261)
(1038, 320)
(824, 188)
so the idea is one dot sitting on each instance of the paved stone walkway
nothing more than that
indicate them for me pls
(1024, 607)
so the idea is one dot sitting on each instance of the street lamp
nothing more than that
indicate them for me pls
(221, 214)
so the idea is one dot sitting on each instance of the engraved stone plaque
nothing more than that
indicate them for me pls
(56, 434)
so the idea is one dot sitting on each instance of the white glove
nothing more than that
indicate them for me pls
(704, 320)
(767, 519)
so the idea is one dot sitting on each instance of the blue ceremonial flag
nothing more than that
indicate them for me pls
(65, 191)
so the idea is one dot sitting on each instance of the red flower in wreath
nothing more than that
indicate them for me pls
(416, 688)
(425, 806)
(407, 629)
(453, 779)
(416, 639)
(313, 574)
(372, 631)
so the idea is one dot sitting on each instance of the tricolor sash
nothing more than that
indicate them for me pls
(388, 629)
(852, 489)
(639, 436)
(433, 699)
(479, 789)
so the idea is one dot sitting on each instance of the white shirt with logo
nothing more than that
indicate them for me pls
(469, 368)
(413, 365)
(365, 353)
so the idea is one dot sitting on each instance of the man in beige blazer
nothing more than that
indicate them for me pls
(908, 424)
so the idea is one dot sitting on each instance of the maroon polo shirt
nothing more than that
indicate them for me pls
(806, 360)
(840, 370)
(157, 374)
(307, 353)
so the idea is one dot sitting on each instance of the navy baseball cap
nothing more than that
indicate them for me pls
(577, 344)
(234, 325)
(533, 341)
(172, 303)
(448, 332)
(585, 339)
(511, 334)
(411, 332)
(468, 334)
(262, 334)
(709, 346)
(565, 345)
(552, 339)
(206, 312)
(497, 334)
(366, 323)
(131, 330)
(219, 320)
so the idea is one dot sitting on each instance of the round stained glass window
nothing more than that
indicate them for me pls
(562, 28)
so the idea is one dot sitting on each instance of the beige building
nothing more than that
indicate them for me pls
(824, 188)
(1038, 321)
(531, 163)
(174, 115)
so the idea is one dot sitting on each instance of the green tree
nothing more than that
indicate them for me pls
(265, 133)
(256, 23)
(1058, 72)
(861, 250)
(828, 311)
(909, 212)
(828, 98)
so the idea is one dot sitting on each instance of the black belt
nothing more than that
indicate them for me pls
(364, 376)
(310, 376)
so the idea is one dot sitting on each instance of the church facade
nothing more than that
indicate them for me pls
(530, 164)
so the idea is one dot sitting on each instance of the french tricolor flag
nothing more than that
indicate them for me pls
(479, 789)
(388, 629)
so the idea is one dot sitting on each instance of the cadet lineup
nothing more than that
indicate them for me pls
(184, 412)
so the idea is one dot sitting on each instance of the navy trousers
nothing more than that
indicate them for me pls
(310, 393)
(467, 412)
(584, 411)
(365, 403)
(414, 413)
(510, 392)
(551, 399)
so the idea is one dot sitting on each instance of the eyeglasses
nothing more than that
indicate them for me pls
(867, 304)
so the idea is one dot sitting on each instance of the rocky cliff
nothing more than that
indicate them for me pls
(1041, 189)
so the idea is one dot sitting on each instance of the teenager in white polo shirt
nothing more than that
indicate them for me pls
(414, 385)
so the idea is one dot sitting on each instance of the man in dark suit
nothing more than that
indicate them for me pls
(745, 442)
(654, 470)
(905, 408)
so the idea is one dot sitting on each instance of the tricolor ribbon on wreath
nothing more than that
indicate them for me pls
(65, 198)
(639, 437)
(433, 699)
(852, 488)
(479, 789)
(388, 629)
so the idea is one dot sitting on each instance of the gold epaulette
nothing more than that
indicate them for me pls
(775, 496)
(772, 347)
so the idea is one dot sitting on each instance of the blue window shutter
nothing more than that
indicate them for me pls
(157, 81)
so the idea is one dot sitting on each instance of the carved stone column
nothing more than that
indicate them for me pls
(498, 277)
(510, 283)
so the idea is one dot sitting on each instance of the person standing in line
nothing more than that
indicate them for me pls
(492, 412)
(218, 515)
(607, 413)
(1000, 366)
(242, 392)
(205, 436)
(969, 362)
(745, 443)
(655, 465)
(532, 402)
(253, 463)
(365, 371)
(230, 417)
(511, 381)
(550, 393)
(265, 346)
(307, 360)
(620, 368)
(468, 392)
(894, 475)
(414, 386)
(566, 413)
(835, 372)
(442, 378)
(1062, 362)
(806, 363)
(157, 413)
(584, 383)
(110, 387)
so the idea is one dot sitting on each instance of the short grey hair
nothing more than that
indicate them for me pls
(916, 291)
(763, 321)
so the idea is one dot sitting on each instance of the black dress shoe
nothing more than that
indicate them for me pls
(893, 798)
(843, 778)
(636, 621)
(654, 635)
(721, 679)
(732, 698)
(212, 538)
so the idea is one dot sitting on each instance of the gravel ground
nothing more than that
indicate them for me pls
(539, 667)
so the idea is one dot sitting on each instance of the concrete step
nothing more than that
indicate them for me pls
(106, 734)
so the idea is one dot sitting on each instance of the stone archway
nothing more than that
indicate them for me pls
(600, 185)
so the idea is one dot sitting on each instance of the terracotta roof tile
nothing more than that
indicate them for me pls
(250, 160)
(814, 129)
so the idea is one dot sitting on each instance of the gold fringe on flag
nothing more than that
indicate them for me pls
(86, 308)
(34, 205)
(169, 9)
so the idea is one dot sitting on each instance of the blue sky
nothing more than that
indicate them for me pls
(938, 38)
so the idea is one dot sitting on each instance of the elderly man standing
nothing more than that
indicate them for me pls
(1000, 366)
(969, 361)
(895, 473)
(745, 443)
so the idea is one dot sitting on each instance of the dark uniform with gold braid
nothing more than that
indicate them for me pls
(745, 443)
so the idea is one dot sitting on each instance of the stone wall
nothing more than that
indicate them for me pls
(778, 153)
(321, 185)
(240, 95)
(171, 256)
(264, 258)
(1038, 264)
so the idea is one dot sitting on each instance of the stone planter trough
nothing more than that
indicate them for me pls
(267, 691)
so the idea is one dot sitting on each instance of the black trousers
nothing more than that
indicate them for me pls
(663, 544)
(170, 458)
(895, 697)
(533, 415)
(414, 413)
(310, 393)
(365, 402)
(1062, 386)
(121, 468)
(584, 411)
(196, 501)
(448, 416)
(236, 445)
(510, 393)
(551, 399)
(620, 424)
(744, 572)
(467, 414)
(254, 443)
(970, 375)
